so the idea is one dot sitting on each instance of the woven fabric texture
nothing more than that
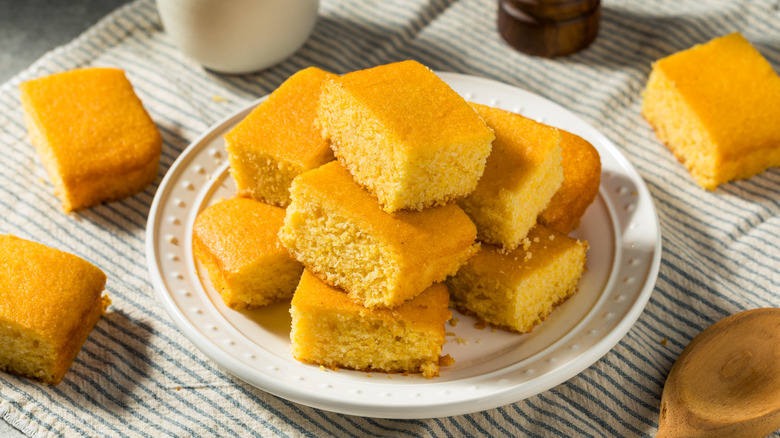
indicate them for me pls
(137, 375)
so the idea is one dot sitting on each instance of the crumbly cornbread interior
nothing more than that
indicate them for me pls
(331, 330)
(404, 135)
(520, 289)
(338, 231)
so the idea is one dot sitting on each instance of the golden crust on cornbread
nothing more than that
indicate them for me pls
(95, 139)
(404, 135)
(277, 141)
(581, 178)
(237, 242)
(518, 290)
(522, 174)
(331, 330)
(49, 302)
(716, 107)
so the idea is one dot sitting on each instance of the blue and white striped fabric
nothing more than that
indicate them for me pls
(138, 376)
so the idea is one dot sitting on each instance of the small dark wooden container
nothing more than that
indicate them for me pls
(549, 27)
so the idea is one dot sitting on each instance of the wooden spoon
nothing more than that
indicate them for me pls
(726, 383)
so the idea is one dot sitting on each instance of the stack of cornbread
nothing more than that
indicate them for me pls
(389, 233)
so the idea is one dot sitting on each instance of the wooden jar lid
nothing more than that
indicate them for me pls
(549, 27)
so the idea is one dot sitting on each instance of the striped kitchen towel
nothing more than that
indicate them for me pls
(138, 375)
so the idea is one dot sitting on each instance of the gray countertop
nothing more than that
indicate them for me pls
(29, 29)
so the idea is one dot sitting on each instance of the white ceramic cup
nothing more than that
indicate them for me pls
(238, 36)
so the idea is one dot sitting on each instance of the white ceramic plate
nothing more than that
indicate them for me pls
(492, 368)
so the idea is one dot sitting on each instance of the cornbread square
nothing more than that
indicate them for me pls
(49, 302)
(95, 139)
(404, 135)
(330, 330)
(521, 176)
(716, 107)
(236, 240)
(381, 259)
(581, 178)
(277, 141)
(518, 290)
